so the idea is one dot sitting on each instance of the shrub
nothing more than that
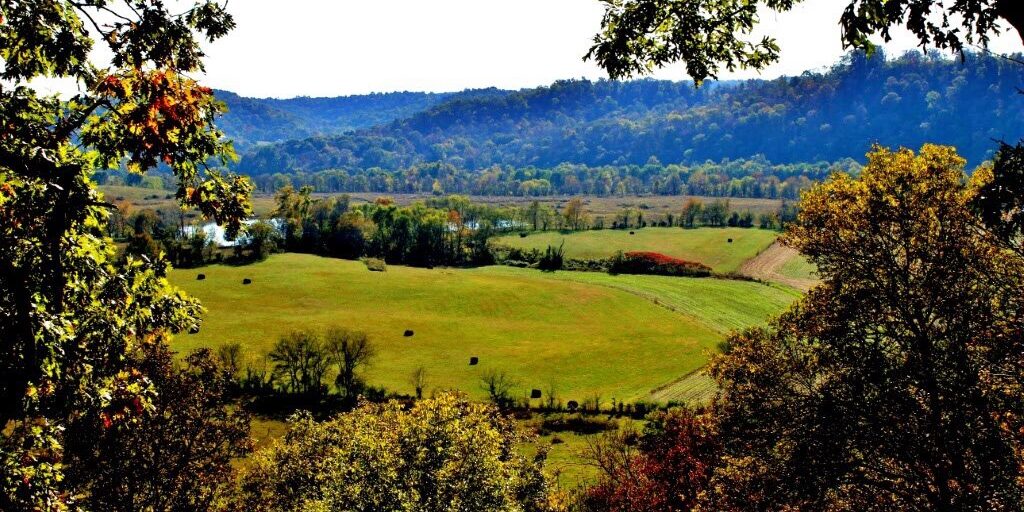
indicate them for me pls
(586, 265)
(577, 423)
(553, 258)
(655, 263)
(375, 264)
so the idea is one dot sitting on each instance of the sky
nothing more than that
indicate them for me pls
(344, 47)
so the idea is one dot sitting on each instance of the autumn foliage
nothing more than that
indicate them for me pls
(643, 262)
(666, 471)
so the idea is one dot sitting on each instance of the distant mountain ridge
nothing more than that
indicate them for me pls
(254, 121)
(826, 116)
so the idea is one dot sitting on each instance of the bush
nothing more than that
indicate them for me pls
(553, 258)
(577, 423)
(375, 264)
(654, 263)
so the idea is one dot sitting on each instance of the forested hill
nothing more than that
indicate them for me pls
(253, 121)
(814, 117)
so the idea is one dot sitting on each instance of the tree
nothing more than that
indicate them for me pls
(574, 215)
(301, 361)
(261, 238)
(418, 379)
(444, 454)
(693, 211)
(897, 383)
(665, 470)
(498, 386)
(71, 320)
(230, 357)
(533, 214)
(349, 350)
(1000, 200)
(173, 459)
(293, 207)
(638, 36)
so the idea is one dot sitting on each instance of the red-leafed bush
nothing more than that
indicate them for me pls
(642, 262)
(665, 470)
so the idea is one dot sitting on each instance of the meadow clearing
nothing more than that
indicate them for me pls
(586, 334)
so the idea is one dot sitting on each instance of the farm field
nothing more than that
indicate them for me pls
(709, 246)
(585, 333)
(600, 205)
(782, 265)
(654, 207)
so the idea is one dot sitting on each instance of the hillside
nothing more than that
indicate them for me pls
(253, 121)
(826, 116)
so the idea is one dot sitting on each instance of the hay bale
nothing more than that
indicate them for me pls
(474, 360)
(247, 281)
(200, 277)
(572, 405)
(534, 393)
(408, 333)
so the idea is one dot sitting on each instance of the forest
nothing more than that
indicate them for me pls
(753, 178)
(819, 116)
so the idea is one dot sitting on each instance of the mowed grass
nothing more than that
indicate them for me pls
(574, 330)
(709, 246)
(799, 268)
(722, 305)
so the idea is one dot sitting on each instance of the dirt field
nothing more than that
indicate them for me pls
(774, 264)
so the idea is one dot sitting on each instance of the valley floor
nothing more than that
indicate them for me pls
(586, 334)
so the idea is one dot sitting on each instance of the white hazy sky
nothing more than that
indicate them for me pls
(342, 47)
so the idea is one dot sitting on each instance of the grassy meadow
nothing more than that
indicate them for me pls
(709, 246)
(587, 334)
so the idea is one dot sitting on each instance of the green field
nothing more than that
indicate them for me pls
(585, 333)
(709, 246)
(799, 268)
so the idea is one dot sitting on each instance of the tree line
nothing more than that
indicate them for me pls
(753, 178)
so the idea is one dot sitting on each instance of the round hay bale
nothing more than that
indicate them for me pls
(572, 405)
(473, 361)
(408, 333)
(247, 281)
(200, 277)
(534, 393)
